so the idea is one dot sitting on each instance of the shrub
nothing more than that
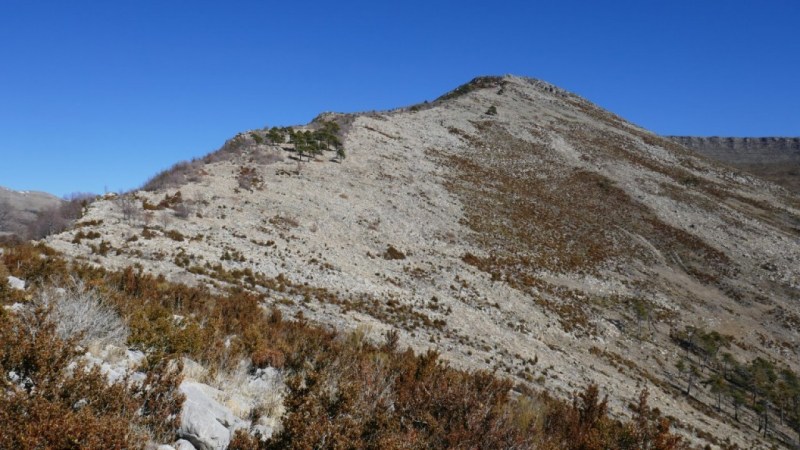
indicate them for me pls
(175, 235)
(175, 176)
(47, 401)
(83, 314)
(472, 85)
(393, 253)
(492, 111)
(257, 138)
(248, 178)
(182, 211)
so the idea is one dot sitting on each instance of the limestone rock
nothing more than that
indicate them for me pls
(183, 444)
(16, 283)
(205, 423)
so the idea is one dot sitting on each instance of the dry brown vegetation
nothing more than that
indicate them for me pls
(48, 403)
(344, 391)
(563, 221)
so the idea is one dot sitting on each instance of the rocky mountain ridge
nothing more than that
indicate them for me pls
(745, 150)
(773, 158)
(510, 225)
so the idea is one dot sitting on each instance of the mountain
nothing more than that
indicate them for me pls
(776, 159)
(20, 209)
(509, 224)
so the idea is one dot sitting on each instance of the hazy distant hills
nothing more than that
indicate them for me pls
(774, 158)
(19, 209)
(511, 225)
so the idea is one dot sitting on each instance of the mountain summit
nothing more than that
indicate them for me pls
(509, 224)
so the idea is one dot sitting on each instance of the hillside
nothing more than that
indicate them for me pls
(510, 225)
(19, 210)
(775, 159)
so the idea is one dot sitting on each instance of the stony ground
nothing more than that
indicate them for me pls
(514, 242)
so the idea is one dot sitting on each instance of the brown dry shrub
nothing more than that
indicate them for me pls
(34, 263)
(48, 403)
(392, 253)
(175, 235)
(344, 392)
(154, 329)
(586, 425)
(241, 440)
(365, 397)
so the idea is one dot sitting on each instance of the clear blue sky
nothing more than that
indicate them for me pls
(101, 95)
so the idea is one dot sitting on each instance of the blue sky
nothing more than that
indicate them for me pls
(100, 95)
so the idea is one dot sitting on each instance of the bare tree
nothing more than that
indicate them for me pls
(199, 202)
(5, 215)
(127, 206)
(75, 204)
(165, 218)
(48, 222)
(148, 217)
(182, 211)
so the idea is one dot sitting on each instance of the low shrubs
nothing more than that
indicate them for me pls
(48, 402)
(175, 235)
(393, 253)
(344, 391)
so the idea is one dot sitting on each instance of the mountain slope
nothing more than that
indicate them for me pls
(773, 158)
(510, 225)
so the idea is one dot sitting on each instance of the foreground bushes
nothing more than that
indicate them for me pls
(47, 400)
(344, 391)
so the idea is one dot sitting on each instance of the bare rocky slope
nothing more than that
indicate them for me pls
(773, 158)
(511, 225)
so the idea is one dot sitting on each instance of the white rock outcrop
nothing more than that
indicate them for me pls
(16, 283)
(205, 423)
(183, 444)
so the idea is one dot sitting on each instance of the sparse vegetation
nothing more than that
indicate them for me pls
(344, 391)
(249, 178)
(474, 84)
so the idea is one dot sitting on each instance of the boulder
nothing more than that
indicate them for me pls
(16, 283)
(183, 444)
(15, 307)
(117, 362)
(205, 423)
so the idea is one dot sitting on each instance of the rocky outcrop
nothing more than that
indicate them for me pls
(183, 444)
(205, 423)
(16, 283)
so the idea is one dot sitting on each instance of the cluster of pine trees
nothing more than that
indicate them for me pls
(309, 143)
(769, 391)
